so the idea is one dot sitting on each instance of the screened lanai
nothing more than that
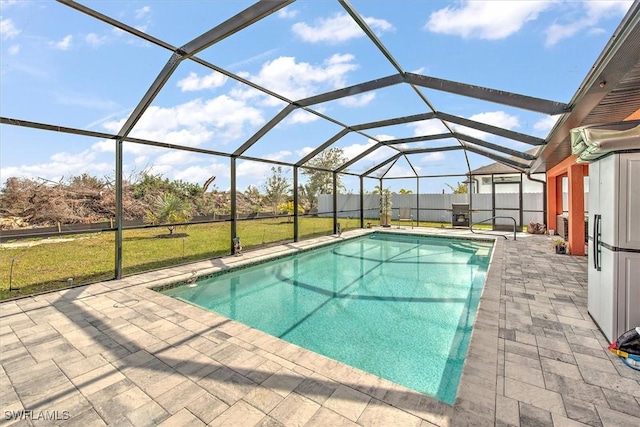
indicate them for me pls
(279, 120)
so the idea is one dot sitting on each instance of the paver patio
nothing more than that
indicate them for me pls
(119, 353)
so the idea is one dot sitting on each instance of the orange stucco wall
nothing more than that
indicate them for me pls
(575, 173)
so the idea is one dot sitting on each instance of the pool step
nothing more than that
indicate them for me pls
(481, 254)
(464, 247)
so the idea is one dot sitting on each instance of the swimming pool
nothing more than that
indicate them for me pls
(398, 306)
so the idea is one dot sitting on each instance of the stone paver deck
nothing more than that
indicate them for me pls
(119, 353)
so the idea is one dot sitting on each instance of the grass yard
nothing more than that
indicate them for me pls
(47, 264)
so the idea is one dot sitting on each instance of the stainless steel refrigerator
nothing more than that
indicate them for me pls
(614, 243)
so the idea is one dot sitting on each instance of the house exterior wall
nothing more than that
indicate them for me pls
(483, 183)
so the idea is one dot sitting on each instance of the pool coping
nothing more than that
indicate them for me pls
(476, 396)
(116, 352)
(194, 277)
(67, 332)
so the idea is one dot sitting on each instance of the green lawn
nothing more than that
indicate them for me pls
(47, 264)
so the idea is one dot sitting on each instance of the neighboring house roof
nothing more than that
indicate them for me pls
(494, 168)
(497, 167)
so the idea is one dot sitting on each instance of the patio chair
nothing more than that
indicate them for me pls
(404, 214)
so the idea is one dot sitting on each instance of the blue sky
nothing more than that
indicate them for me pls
(62, 67)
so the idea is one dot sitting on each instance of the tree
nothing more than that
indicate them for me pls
(320, 181)
(148, 186)
(379, 190)
(276, 188)
(254, 197)
(288, 208)
(403, 191)
(208, 183)
(461, 188)
(307, 195)
(385, 204)
(169, 209)
(86, 181)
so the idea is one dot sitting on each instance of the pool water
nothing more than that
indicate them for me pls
(400, 307)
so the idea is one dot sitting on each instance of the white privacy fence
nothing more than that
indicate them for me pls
(437, 207)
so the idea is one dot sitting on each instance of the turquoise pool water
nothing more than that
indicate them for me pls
(400, 307)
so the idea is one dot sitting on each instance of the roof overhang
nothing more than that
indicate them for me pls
(609, 93)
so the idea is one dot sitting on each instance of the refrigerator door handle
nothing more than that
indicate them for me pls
(596, 242)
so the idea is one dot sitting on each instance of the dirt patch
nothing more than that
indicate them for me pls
(171, 236)
(34, 243)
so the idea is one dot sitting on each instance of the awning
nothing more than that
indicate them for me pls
(593, 142)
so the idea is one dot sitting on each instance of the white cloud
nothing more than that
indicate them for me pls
(193, 82)
(557, 32)
(181, 165)
(298, 80)
(304, 151)
(433, 127)
(351, 151)
(490, 20)
(585, 16)
(175, 157)
(77, 158)
(338, 28)
(14, 49)
(105, 146)
(200, 174)
(142, 12)
(596, 31)
(287, 13)
(357, 100)
(302, 116)
(193, 136)
(427, 127)
(607, 8)
(383, 137)
(381, 25)
(546, 124)
(8, 29)
(61, 165)
(397, 170)
(257, 172)
(98, 160)
(63, 44)
(142, 152)
(140, 160)
(173, 164)
(222, 119)
(254, 171)
(95, 40)
(495, 118)
(279, 156)
(382, 153)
